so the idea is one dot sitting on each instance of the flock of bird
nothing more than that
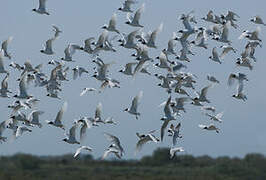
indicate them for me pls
(174, 81)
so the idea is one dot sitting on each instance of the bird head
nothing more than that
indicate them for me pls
(126, 109)
(42, 51)
(34, 10)
(127, 22)
(120, 70)
(104, 26)
(65, 139)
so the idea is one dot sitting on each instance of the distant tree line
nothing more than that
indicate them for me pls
(158, 166)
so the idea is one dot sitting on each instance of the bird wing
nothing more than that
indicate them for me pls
(135, 102)
(156, 32)
(164, 125)
(60, 113)
(42, 4)
(204, 91)
(141, 142)
(78, 152)
(112, 22)
(138, 14)
(98, 111)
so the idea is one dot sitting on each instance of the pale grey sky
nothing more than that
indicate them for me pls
(242, 131)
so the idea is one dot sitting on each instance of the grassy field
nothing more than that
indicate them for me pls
(158, 166)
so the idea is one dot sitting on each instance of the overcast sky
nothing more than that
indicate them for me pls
(243, 127)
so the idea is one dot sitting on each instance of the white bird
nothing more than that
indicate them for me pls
(20, 130)
(216, 117)
(59, 116)
(34, 118)
(173, 151)
(224, 36)
(127, 6)
(2, 68)
(5, 45)
(164, 62)
(209, 17)
(16, 66)
(56, 30)
(111, 149)
(254, 36)
(114, 140)
(208, 108)
(134, 105)
(112, 25)
(169, 116)
(151, 37)
(82, 148)
(134, 21)
(71, 137)
(215, 56)
(257, 20)
(175, 132)
(42, 8)
(210, 127)
(202, 95)
(240, 77)
(69, 52)
(170, 46)
(128, 70)
(85, 123)
(48, 47)
(22, 88)
(110, 120)
(145, 138)
(240, 94)
(179, 104)
(128, 41)
(4, 87)
(3, 126)
(212, 79)
(85, 90)
(244, 62)
(226, 50)
(87, 45)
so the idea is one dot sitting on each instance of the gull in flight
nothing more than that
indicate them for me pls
(87, 148)
(42, 8)
(257, 20)
(217, 117)
(127, 6)
(85, 90)
(112, 25)
(134, 20)
(174, 132)
(112, 149)
(115, 142)
(71, 137)
(210, 127)
(59, 116)
(5, 45)
(48, 47)
(134, 105)
(173, 151)
(145, 138)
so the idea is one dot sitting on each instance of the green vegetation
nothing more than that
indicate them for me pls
(155, 167)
